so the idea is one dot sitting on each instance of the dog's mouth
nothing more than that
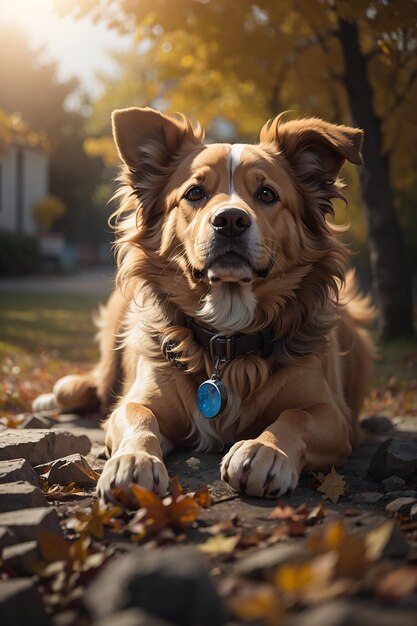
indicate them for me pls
(230, 267)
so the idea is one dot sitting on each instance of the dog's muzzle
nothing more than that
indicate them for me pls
(230, 222)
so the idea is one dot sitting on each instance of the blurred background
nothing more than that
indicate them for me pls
(66, 64)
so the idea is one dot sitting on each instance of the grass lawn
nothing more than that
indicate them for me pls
(44, 336)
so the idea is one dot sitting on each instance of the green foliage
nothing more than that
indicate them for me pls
(19, 254)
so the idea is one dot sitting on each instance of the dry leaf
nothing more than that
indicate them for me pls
(219, 545)
(294, 518)
(397, 584)
(256, 604)
(95, 521)
(332, 485)
(53, 547)
(377, 539)
(351, 549)
(202, 497)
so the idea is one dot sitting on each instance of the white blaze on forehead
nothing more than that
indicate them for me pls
(233, 161)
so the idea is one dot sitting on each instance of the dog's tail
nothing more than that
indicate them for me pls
(357, 347)
(359, 306)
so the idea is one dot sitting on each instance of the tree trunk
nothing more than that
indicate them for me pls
(391, 273)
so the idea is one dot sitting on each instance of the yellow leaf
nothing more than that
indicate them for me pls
(258, 603)
(219, 545)
(53, 547)
(294, 577)
(332, 485)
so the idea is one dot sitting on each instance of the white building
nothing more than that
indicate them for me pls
(24, 179)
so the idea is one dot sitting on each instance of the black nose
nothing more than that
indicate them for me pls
(230, 222)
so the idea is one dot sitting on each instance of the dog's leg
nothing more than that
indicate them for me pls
(134, 440)
(268, 466)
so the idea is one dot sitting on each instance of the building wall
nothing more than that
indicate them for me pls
(23, 181)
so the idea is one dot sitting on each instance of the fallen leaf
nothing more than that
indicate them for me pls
(294, 519)
(219, 545)
(256, 604)
(377, 539)
(352, 560)
(397, 584)
(332, 485)
(53, 547)
(202, 497)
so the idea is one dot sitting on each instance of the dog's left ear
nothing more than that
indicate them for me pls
(147, 140)
(315, 147)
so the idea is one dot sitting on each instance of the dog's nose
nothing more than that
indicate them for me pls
(230, 222)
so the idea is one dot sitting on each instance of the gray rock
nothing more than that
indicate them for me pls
(17, 469)
(393, 483)
(395, 456)
(22, 556)
(35, 421)
(377, 424)
(21, 604)
(41, 446)
(353, 613)
(25, 524)
(400, 506)
(7, 538)
(262, 563)
(407, 493)
(132, 617)
(72, 468)
(367, 497)
(20, 495)
(172, 584)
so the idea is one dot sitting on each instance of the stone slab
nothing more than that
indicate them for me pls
(25, 524)
(21, 557)
(18, 469)
(21, 604)
(72, 468)
(41, 446)
(7, 538)
(20, 495)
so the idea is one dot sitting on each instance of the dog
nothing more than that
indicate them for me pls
(234, 322)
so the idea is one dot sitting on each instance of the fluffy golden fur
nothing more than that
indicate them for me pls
(236, 238)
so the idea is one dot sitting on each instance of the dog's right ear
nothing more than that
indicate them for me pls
(147, 140)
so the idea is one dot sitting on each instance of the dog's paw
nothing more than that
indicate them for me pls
(45, 402)
(140, 468)
(258, 469)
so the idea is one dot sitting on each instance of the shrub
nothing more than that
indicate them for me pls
(19, 254)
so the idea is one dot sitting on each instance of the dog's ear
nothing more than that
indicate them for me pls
(148, 140)
(314, 147)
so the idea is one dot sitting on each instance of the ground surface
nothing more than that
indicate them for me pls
(303, 560)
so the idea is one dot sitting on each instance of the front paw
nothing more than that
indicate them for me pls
(258, 469)
(140, 467)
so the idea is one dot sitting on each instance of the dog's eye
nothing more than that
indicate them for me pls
(266, 195)
(195, 193)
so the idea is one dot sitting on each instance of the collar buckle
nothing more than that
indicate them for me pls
(228, 342)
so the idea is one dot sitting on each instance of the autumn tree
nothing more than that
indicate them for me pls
(30, 86)
(345, 60)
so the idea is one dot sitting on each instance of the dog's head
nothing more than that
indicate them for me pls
(230, 232)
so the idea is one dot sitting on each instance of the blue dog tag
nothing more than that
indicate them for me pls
(212, 397)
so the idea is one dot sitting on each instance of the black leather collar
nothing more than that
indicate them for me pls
(228, 348)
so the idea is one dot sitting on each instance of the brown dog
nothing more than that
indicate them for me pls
(229, 279)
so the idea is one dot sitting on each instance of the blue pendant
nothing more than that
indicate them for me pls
(212, 397)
